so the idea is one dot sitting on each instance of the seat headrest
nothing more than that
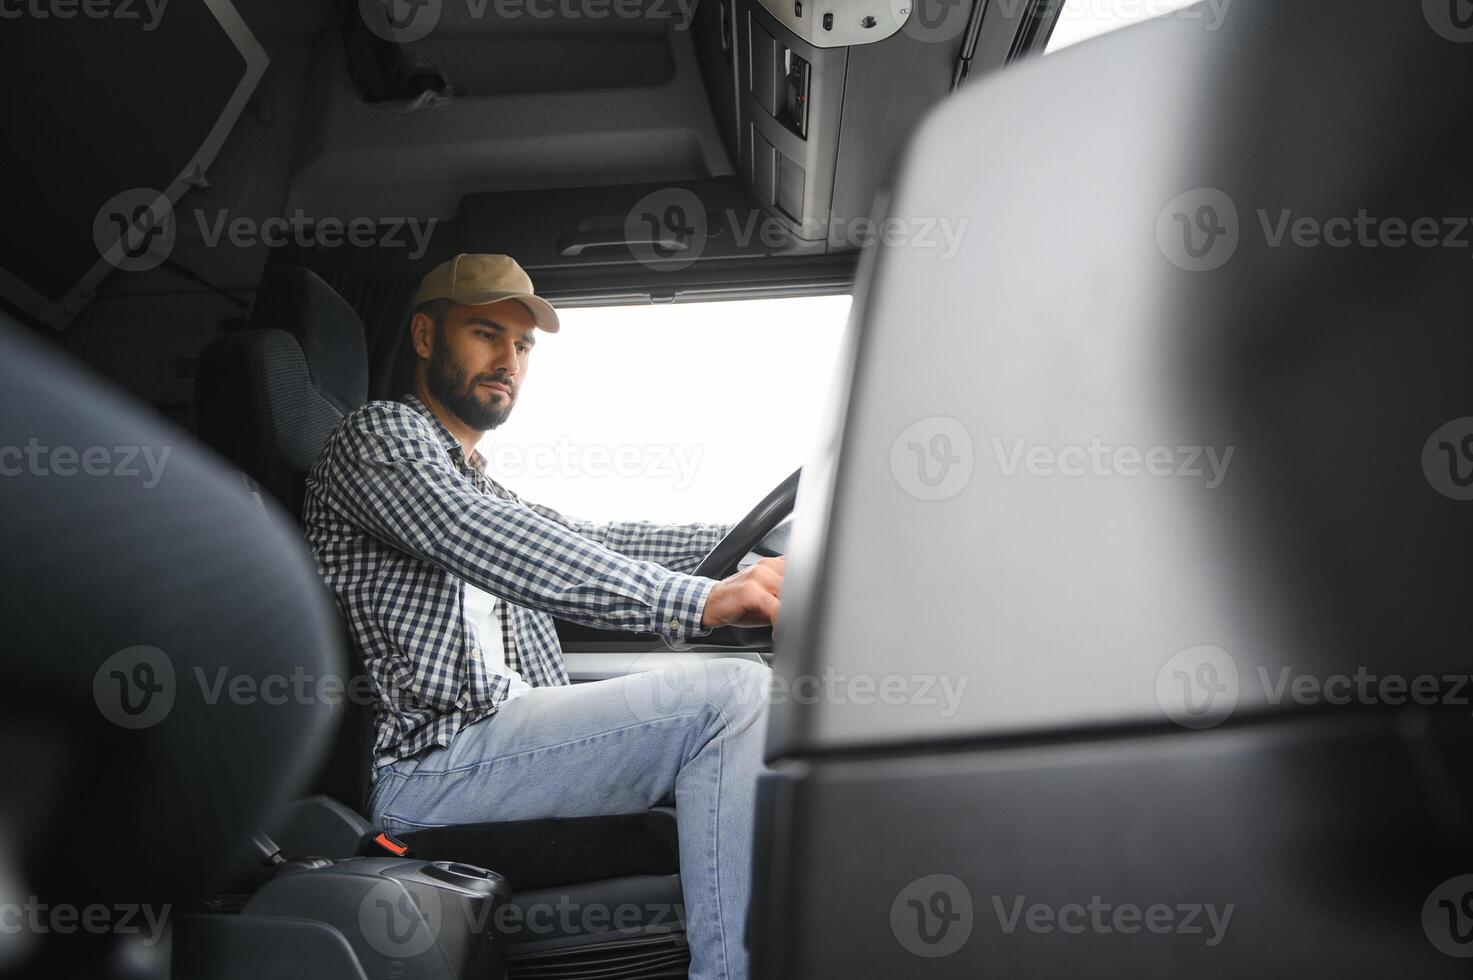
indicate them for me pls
(160, 608)
(1182, 418)
(327, 329)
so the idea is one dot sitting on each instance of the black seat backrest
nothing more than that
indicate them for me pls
(267, 398)
(141, 584)
(1164, 447)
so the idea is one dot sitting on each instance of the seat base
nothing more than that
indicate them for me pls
(533, 854)
(625, 927)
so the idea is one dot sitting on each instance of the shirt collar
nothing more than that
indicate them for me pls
(474, 461)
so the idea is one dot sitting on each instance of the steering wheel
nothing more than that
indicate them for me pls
(745, 537)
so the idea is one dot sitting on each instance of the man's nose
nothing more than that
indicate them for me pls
(505, 360)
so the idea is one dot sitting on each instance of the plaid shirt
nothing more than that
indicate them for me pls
(398, 519)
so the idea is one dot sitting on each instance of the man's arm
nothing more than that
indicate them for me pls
(387, 472)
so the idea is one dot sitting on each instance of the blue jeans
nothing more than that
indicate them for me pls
(616, 746)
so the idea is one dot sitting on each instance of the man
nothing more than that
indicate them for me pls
(450, 583)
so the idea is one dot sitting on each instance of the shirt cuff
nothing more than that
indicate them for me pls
(679, 606)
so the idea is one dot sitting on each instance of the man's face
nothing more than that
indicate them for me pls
(477, 359)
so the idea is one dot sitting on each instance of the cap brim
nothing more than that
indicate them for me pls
(542, 312)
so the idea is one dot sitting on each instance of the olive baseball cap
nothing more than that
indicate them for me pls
(474, 280)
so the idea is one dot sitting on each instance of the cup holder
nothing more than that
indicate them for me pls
(456, 873)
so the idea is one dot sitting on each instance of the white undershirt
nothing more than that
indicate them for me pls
(483, 613)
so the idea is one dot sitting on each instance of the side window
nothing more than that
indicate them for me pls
(1081, 20)
(670, 413)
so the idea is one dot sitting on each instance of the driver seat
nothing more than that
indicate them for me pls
(267, 399)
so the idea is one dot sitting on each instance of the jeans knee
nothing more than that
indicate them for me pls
(741, 689)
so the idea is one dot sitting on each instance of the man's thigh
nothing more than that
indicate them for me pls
(611, 746)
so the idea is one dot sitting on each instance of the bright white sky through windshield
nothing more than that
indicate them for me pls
(1084, 19)
(671, 412)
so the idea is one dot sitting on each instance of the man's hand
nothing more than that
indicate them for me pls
(749, 598)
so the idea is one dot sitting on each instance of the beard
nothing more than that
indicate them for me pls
(452, 385)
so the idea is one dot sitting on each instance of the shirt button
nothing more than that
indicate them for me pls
(674, 623)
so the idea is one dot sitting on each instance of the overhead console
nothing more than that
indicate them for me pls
(814, 97)
(840, 23)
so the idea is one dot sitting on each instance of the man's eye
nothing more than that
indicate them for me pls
(523, 348)
(485, 335)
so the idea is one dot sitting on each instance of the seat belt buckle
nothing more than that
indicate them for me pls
(391, 844)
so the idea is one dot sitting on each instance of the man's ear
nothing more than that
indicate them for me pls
(421, 332)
